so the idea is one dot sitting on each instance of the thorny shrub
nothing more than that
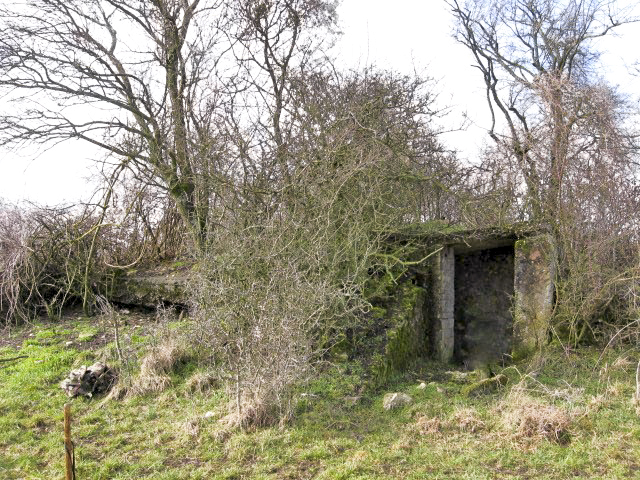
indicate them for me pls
(44, 257)
(282, 277)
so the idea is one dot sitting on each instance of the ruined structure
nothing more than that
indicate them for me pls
(481, 297)
(471, 297)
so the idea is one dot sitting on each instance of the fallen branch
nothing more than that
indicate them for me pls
(2, 360)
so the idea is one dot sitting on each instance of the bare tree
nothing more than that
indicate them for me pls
(538, 62)
(162, 78)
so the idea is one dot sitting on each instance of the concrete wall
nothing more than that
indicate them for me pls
(534, 292)
(443, 275)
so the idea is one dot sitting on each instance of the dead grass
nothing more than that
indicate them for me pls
(249, 415)
(155, 369)
(427, 425)
(622, 363)
(529, 420)
(467, 420)
(202, 382)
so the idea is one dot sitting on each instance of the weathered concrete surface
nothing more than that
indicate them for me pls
(443, 290)
(150, 287)
(534, 291)
(406, 336)
(489, 294)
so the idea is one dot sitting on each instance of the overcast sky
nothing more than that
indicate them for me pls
(404, 35)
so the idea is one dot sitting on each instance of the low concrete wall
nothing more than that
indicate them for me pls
(151, 287)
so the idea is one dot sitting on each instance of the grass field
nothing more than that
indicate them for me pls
(566, 414)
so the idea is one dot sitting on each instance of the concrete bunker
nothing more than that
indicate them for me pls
(472, 297)
(493, 296)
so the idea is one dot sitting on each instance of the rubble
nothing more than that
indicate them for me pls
(87, 381)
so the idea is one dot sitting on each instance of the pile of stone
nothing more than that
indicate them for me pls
(88, 381)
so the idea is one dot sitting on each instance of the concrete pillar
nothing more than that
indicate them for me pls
(444, 272)
(534, 272)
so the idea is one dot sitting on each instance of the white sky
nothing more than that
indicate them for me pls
(404, 35)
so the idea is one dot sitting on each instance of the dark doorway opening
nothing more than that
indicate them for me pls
(483, 322)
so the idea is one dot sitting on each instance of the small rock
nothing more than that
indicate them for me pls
(68, 344)
(396, 400)
(457, 376)
(422, 386)
(209, 414)
(439, 389)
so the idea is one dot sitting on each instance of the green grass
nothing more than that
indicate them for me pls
(340, 429)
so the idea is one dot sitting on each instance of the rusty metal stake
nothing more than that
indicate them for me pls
(70, 460)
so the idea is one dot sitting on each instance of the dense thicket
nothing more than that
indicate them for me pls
(286, 174)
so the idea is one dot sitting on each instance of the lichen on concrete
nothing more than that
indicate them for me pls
(533, 285)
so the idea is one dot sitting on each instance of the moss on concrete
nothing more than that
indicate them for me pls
(534, 272)
(484, 386)
(148, 288)
(405, 339)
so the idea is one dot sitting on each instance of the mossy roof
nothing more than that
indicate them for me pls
(462, 238)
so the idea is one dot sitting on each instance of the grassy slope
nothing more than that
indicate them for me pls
(442, 435)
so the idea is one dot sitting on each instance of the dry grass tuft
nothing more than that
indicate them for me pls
(202, 382)
(191, 427)
(616, 389)
(530, 420)
(622, 363)
(163, 359)
(597, 402)
(249, 416)
(427, 425)
(467, 420)
(155, 368)
(150, 383)
(221, 435)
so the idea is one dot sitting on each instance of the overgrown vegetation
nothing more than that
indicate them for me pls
(565, 414)
(237, 143)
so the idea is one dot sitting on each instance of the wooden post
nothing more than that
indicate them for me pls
(68, 445)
